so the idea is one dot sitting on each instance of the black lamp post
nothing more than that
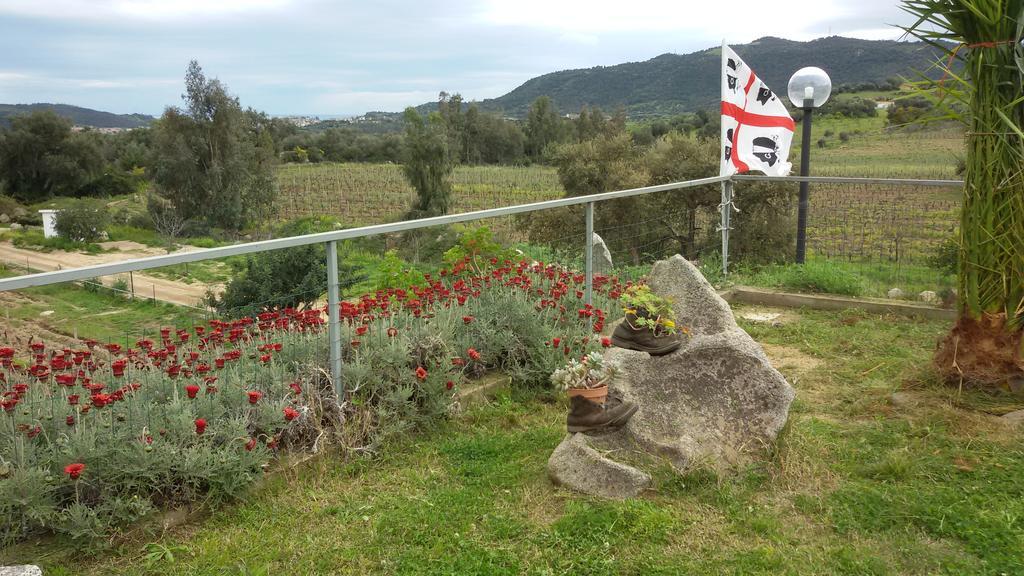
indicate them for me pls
(809, 88)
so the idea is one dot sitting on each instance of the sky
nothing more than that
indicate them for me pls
(347, 57)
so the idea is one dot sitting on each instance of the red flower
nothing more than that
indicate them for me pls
(473, 354)
(191, 390)
(555, 342)
(250, 444)
(265, 358)
(295, 388)
(200, 426)
(449, 385)
(467, 319)
(392, 332)
(361, 330)
(290, 414)
(70, 420)
(606, 342)
(254, 396)
(421, 373)
(74, 470)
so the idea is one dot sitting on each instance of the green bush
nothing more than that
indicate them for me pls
(84, 222)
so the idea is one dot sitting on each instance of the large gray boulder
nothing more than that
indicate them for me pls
(717, 400)
(579, 463)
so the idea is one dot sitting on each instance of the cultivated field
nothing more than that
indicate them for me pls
(362, 194)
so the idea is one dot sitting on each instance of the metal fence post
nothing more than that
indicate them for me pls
(334, 319)
(589, 255)
(726, 209)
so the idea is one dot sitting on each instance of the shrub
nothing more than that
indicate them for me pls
(83, 222)
(196, 415)
(947, 256)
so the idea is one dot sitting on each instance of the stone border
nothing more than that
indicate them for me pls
(765, 297)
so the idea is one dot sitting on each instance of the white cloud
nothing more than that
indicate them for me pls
(160, 10)
(14, 79)
(579, 20)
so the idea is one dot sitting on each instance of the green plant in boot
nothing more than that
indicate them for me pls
(650, 323)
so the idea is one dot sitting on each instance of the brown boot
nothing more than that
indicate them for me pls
(643, 340)
(587, 416)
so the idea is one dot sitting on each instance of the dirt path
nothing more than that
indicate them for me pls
(146, 286)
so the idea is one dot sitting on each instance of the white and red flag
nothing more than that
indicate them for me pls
(756, 127)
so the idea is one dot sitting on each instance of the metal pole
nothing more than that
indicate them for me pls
(805, 170)
(131, 280)
(726, 216)
(333, 319)
(589, 255)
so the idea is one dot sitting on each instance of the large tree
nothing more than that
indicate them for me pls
(428, 164)
(41, 157)
(213, 160)
(985, 345)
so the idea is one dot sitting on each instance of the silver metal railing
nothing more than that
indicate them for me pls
(330, 239)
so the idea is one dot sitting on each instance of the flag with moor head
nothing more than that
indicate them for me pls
(756, 127)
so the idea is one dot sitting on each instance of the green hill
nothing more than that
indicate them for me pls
(673, 83)
(80, 116)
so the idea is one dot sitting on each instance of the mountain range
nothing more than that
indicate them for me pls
(675, 83)
(78, 115)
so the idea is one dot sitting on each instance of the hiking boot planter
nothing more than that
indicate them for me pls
(587, 416)
(587, 382)
(649, 325)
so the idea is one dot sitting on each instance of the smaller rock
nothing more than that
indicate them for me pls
(602, 256)
(761, 317)
(22, 570)
(1013, 418)
(895, 293)
(578, 466)
(929, 296)
(16, 226)
(20, 212)
(46, 313)
(903, 400)
(4, 218)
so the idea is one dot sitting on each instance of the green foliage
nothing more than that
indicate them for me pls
(989, 86)
(278, 279)
(477, 246)
(428, 164)
(393, 272)
(947, 256)
(645, 309)
(33, 239)
(40, 157)
(544, 128)
(213, 161)
(814, 276)
(87, 222)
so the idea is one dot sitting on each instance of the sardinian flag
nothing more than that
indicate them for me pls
(756, 127)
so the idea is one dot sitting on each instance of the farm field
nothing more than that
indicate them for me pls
(363, 194)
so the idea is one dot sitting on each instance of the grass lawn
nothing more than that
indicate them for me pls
(69, 310)
(859, 484)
